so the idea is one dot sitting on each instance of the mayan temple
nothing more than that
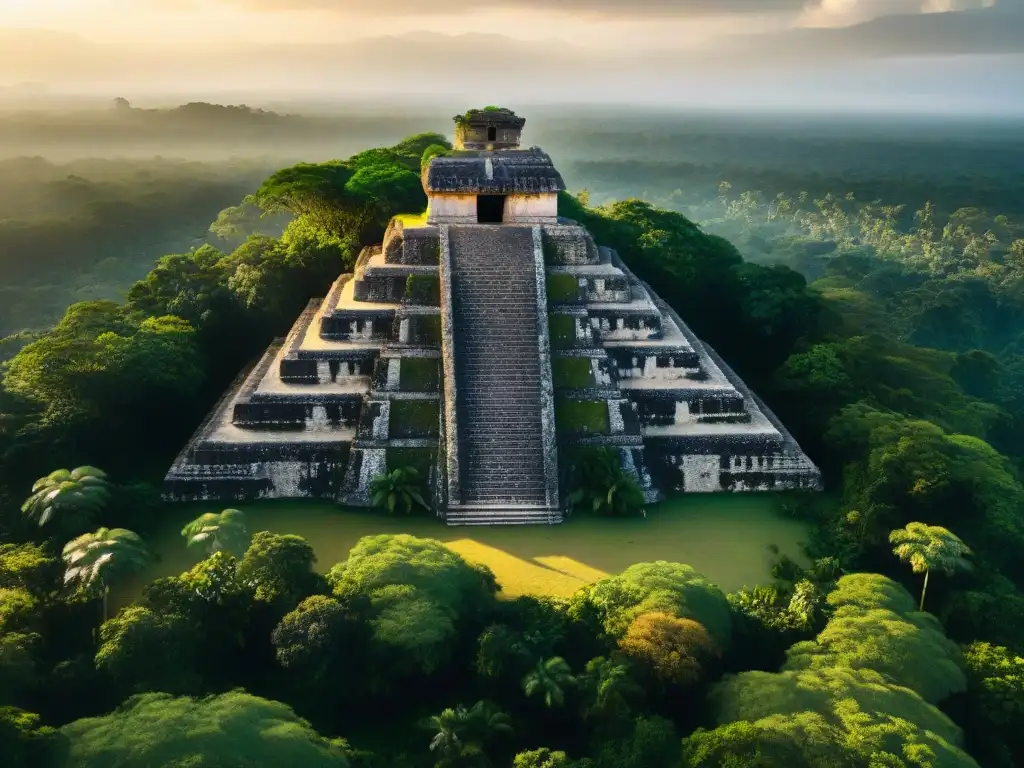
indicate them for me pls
(482, 344)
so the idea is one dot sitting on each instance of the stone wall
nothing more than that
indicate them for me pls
(451, 209)
(531, 209)
(566, 244)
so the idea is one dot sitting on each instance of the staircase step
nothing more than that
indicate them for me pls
(497, 369)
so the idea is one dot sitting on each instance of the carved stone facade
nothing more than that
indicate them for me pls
(479, 351)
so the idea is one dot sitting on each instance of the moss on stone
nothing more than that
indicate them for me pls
(552, 256)
(572, 372)
(562, 288)
(419, 374)
(562, 330)
(421, 459)
(423, 289)
(582, 416)
(428, 330)
(413, 418)
(412, 219)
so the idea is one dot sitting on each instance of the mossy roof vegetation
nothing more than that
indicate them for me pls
(490, 115)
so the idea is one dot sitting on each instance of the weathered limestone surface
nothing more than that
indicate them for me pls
(478, 352)
(502, 425)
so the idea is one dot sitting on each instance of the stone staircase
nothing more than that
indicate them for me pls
(498, 363)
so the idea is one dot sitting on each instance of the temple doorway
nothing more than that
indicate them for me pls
(490, 209)
(492, 134)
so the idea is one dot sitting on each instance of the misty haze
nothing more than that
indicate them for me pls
(519, 384)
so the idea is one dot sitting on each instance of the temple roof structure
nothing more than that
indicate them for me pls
(519, 171)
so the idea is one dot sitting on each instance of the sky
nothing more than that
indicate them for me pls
(938, 55)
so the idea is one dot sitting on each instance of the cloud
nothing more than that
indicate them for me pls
(841, 13)
(987, 30)
(610, 8)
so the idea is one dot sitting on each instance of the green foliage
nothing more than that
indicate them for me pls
(930, 547)
(420, 594)
(582, 416)
(18, 665)
(434, 150)
(94, 363)
(664, 587)
(654, 743)
(996, 703)
(70, 498)
(29, 567)
(96, 559)
(400, 490)
(601, 485)
(572, 372)
(562, 330)
(134, 638)
(357, 195)
(230, 729)
(549, 680)
(804, 740)
(542, 758)
(279, 568)
(460, 734)
(423, 289)
(317, 639)
(25, 743)
(217, 531)
(869, 713)
(908, 649)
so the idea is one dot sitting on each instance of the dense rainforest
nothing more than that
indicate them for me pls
(888, 339)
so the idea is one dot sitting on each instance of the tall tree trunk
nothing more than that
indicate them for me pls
(923, 590)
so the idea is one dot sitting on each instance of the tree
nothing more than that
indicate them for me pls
(653, 743)
(421, 595)
(131, 640)
(671, 588)
(279, 568)
(610, 689)
(30, 568)
(70, 497)
(911, 652)
(25, 743)
(549, 679)
(460, 734)
(927, 548)
(678, 650)
(995, 703)
(94, 560)
(858, 709)
(230, 729)
(804, 740)
(17, 665)
(316, 637)
(398, 489)
(219, 531)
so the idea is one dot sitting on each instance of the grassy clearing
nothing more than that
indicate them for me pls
(421, 289)
(412, 219)
(419, 374)
(582, 416)
(413, 418)
(728, 537)
(562, 288)
(561, 330)
(572, 372)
